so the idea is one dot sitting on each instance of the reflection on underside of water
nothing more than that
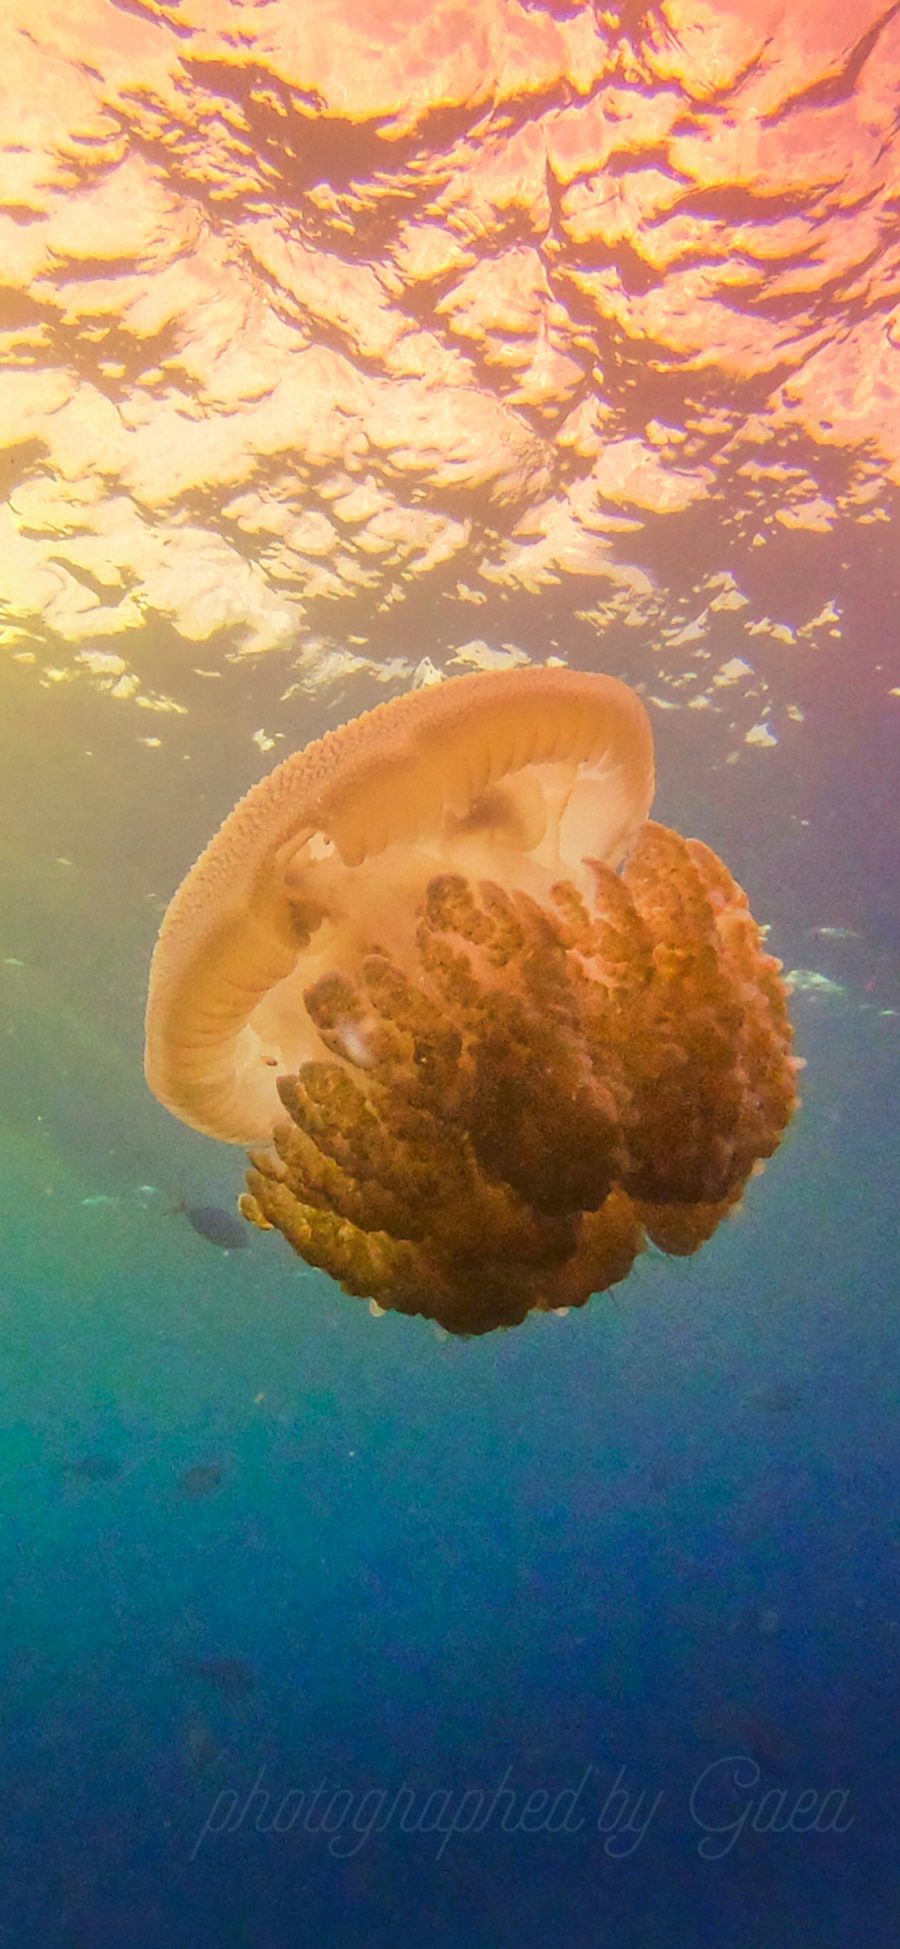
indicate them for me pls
(346, 345)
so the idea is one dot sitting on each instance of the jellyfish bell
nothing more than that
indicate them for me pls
(486, 1028)
(512, 775)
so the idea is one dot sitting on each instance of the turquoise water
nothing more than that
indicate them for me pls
(321, 1628)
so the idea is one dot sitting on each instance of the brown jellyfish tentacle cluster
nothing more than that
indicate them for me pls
(505, 1120)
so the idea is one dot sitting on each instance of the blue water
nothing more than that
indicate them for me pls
(610, 1554)
(330, 1630)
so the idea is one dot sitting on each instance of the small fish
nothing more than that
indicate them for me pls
(93, 1468)
(200, 1747)
(807, 981)
(778, 1399)
(219, 1227)
(836, 933)
(233, 1676)
(766, 1740)
(202, 1479)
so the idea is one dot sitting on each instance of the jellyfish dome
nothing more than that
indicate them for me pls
(485, 1027)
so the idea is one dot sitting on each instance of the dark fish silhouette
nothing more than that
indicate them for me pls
(219, 1227)
(233, 1676)
(745, 1729)
(93, 1468)
(202, 1479)
(200, 1747)
(778, 1399)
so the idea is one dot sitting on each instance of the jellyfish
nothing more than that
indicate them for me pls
(485, 1029)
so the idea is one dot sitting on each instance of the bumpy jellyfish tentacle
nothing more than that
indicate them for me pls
(549, 1088)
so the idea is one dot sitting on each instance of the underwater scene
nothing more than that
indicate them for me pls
(449, 676)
